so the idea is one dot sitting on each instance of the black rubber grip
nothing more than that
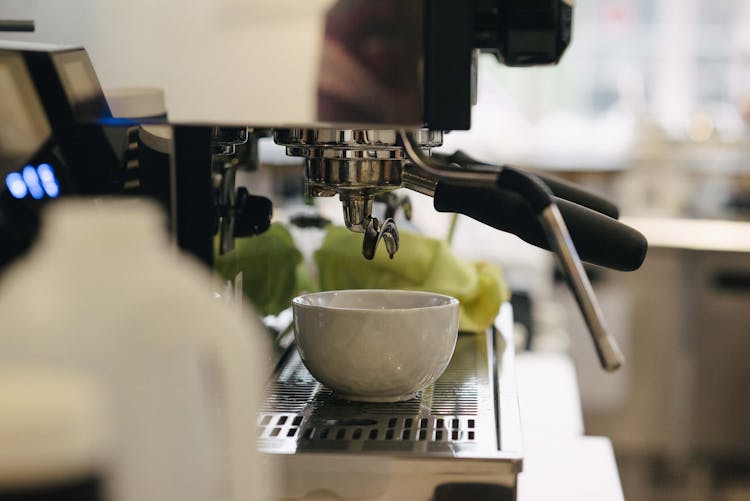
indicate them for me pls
(572, 193)
(599, 239)
(558, 187)
(529, 186)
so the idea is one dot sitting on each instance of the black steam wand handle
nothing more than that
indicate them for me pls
(560, 188)
(543, 205)
(599, 239)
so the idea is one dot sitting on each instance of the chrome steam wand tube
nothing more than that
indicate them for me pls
(610, 356)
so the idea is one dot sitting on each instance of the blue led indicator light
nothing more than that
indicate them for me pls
(31, 178)
(52, 189)
(15, 184)
(37, 182)
(46, 174)
(49, 181)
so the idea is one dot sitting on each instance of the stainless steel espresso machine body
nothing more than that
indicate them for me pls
(361, 90)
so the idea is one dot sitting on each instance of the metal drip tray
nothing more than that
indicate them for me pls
(460, 416)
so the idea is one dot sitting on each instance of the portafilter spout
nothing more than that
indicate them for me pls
(358, 218)
(357, 209)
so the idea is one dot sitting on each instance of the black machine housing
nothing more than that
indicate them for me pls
(52, 138)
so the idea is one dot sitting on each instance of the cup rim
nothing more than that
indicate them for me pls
(450, 300)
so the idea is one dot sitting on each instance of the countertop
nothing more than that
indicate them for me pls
(559, 461)
(693, 234)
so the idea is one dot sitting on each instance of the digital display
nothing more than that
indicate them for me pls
(23, 126)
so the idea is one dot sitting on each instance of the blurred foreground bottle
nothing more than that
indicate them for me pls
(103, 292)
(55, 436)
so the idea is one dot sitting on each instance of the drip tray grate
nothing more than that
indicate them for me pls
(456, 416)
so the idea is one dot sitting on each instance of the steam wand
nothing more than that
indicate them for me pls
(424, 177)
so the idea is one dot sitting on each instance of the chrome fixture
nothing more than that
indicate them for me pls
(225, 139)
(358, 165)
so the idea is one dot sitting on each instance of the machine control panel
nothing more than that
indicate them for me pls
(51, 143)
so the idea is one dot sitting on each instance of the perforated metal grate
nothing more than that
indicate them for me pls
(459, 428)
(455, 416)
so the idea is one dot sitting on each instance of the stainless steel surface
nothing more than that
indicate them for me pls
(363, 175)
(459, 416)
(431, 169)
(225, 174)
(357, 210)
(356, 181)
(418, 180)
(225, 139)
(610, 356)
(358, 164)
(354, 138)
(375, 232)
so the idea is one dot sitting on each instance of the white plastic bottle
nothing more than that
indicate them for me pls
(103, 291)
(55, 435)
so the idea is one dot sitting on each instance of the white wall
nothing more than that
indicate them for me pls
(229, 61)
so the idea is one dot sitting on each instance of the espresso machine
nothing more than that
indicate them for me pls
(361, 91)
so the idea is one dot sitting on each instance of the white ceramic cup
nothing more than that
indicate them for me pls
(375, 345)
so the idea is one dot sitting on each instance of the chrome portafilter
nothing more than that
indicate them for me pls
(358, 165)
